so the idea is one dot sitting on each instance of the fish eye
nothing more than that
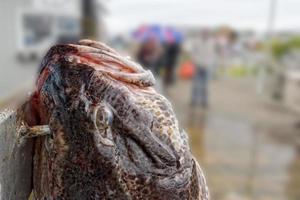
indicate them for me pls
(103, 117)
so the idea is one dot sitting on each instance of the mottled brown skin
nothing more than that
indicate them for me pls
(112, 136)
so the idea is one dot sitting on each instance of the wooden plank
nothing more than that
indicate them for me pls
(15, 160)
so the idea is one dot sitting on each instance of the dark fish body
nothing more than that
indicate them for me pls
(112, 136)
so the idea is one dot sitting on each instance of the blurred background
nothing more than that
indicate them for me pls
(230, 68)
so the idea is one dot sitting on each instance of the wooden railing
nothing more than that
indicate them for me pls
(15, 159)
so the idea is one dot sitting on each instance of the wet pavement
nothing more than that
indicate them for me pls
(248, 147)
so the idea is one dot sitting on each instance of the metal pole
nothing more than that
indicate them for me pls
(271, 18)
(89, 19)
(268, 36)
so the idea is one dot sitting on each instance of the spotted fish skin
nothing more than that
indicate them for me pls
(112, 135)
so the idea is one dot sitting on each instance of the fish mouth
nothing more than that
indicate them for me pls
(106, 60)
(102, 58)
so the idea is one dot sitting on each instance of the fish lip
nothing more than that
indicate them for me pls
(101, 49)
(102, 58)
(112, 64)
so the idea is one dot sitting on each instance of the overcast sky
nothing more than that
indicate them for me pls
(242, 14)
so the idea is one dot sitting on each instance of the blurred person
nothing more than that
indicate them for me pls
(150, 56)
(201, 48)
(171, 56)
(226, 46)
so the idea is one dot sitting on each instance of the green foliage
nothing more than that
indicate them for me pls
(239, 71)
(295, 42)
(280, 48)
